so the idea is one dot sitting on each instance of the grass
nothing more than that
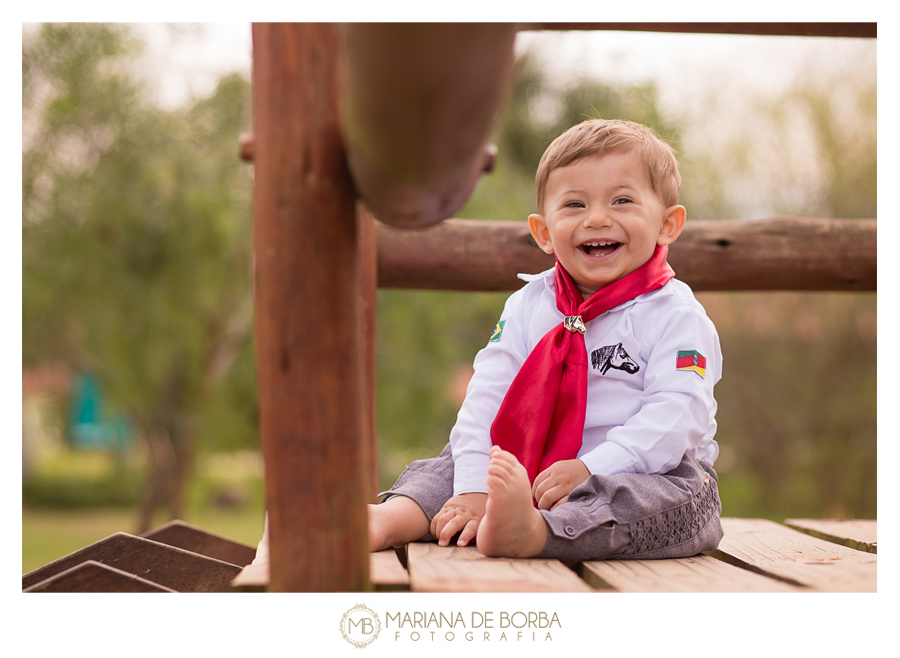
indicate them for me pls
(51, 534)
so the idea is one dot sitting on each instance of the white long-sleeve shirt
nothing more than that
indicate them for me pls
(643, 413)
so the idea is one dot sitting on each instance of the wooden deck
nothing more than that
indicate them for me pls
(755, 556)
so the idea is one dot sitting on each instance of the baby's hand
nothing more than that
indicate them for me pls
(460, 513)
(553, 485)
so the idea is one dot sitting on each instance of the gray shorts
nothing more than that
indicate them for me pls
(625, 517)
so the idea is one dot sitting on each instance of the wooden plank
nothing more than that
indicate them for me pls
(434, 568)
(171, 567)
(780, 253)
(308, 326)
(857, 30)
(384, 566)
(386, 571)
(95, 577)
(861, 535)
(772, 549)
(701, 573)
(191, 538)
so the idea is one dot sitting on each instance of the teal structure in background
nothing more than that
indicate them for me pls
(89, 427)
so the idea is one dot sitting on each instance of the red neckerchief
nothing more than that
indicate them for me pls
(541, 419)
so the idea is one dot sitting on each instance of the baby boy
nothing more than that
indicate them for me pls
(587, 431)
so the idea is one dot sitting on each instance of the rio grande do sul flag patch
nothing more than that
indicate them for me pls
(691, 360)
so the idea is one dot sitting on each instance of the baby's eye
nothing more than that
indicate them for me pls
(622, 200)
(574, 204)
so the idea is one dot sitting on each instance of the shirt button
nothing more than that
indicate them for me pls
(569, 530)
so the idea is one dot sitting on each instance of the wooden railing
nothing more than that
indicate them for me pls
(781, 253)
(857, 30)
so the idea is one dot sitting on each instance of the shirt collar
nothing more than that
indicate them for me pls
(550, 285)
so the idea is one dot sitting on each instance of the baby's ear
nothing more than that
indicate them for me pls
(672, 226)
(540, 233)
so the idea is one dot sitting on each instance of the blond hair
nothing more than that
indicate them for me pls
(599, 137)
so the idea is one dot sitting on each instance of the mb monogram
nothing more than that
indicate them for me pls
(360, 626)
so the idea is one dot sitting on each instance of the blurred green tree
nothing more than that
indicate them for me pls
(536, 114)
(797, 404)
(136, 246)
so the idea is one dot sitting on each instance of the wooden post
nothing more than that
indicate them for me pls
(368, 306)
(309, 363)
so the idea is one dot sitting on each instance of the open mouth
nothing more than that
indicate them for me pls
(599, 248)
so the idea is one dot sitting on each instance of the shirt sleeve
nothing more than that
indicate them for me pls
(496, 366)
(677, 410)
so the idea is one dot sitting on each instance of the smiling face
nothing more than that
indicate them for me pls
(602, 219)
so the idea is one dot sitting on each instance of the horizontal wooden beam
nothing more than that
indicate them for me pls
(247, 145)
(419, 102)
(781, 253)
(858, 30)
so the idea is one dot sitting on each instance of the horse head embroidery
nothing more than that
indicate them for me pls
(613, 356)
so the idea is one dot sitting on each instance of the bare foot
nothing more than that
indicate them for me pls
(396, 522)
(511, 526)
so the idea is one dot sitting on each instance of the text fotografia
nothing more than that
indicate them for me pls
(477, 626)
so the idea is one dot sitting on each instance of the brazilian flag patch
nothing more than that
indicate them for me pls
(691, 360)
(498, 331)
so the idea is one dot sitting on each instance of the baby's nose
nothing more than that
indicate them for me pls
(597, 217)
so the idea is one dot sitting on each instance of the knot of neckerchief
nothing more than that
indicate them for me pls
(541, 419)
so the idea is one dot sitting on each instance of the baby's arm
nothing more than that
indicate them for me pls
(677, 406)
(495, 367)
(461, 513)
